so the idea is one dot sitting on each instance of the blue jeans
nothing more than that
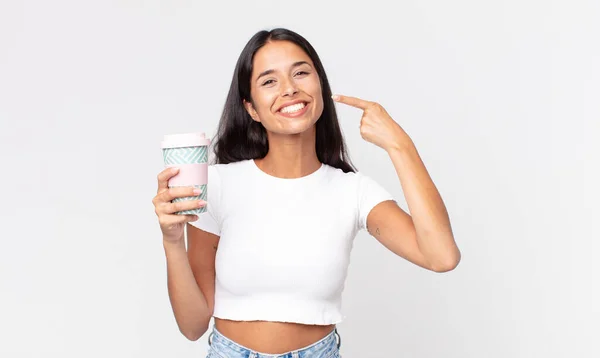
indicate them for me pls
(222, 347)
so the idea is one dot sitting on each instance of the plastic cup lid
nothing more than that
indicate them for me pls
(195, 139)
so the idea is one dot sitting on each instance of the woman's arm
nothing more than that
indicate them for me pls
(190, 281)
(425, 236)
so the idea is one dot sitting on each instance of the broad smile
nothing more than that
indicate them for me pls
(294, 110)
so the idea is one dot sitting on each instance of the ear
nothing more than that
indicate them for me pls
(251, 111)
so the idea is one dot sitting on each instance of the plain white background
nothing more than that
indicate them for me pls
(501, 99)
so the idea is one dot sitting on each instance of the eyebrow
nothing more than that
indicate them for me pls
(268, 72)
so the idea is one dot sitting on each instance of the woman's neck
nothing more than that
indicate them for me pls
(290, 156)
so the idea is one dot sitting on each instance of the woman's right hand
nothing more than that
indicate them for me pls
(172, 225)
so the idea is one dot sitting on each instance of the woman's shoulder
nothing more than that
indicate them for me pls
(338, 176)
(228, 169)
(356, 180)
(339, 173)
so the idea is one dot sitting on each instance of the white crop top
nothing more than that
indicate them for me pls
(285, 244)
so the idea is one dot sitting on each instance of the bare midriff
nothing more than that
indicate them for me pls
(272, 337)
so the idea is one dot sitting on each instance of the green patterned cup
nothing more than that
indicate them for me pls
(189, 153)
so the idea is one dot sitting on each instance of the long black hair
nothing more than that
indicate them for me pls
(239, 137)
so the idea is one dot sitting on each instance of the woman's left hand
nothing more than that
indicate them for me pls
(376, 125)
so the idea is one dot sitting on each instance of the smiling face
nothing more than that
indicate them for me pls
(285, 89)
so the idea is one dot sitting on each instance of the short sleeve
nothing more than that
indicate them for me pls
(210, 220)
(370, 193)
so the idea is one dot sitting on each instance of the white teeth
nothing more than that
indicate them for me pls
(293, 108)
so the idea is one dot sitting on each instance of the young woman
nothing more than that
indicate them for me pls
(268, 260)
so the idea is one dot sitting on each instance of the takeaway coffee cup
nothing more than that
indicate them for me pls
(189, 153)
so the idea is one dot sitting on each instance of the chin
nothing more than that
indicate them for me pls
(295, 128)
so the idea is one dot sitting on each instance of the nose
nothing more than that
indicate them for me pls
(289, 88)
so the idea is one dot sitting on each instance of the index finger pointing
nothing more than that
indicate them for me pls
(351, 101)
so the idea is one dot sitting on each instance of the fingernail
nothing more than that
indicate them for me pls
(197, 191)
(174, 170)
(335, 97)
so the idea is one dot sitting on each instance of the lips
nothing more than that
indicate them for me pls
(291, 103)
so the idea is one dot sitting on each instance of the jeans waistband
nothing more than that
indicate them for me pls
(322, 348)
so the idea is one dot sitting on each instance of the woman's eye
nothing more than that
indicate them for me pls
(299, 73)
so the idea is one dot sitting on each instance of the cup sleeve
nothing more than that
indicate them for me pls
(370, 193)
(210, 220)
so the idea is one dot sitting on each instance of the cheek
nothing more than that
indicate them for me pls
(314, 87)
(318, 97)
(264, 102)
(319, 108)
